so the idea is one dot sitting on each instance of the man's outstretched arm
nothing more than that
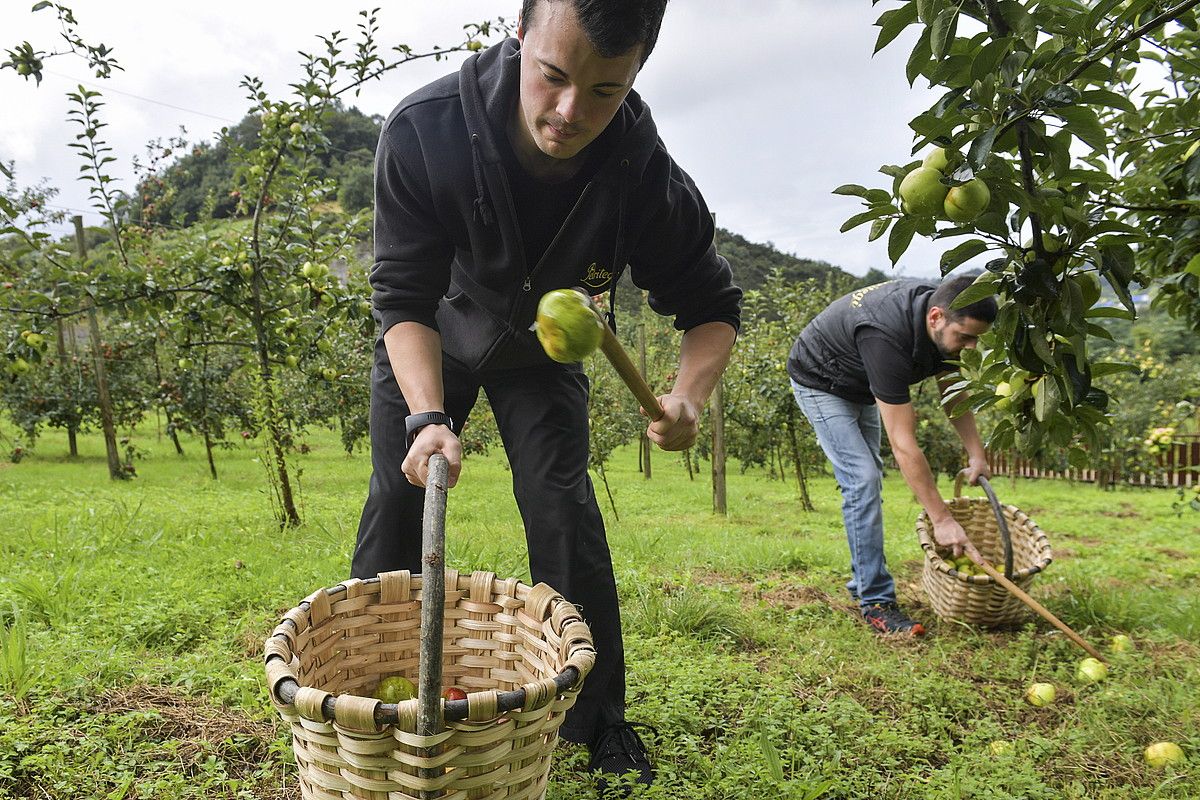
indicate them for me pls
(964, 425)
(415, 353)
(703, 355)
(900, 422)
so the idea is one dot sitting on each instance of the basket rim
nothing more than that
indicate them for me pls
(284, 687)
(1032, 529)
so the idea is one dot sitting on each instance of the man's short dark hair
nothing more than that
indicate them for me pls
(614, 27)
(943, 297)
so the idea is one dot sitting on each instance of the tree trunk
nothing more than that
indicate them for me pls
(802, 480)
(162, 403)
(115, 471)
(718, 449)
(60, 340)
(208, 447)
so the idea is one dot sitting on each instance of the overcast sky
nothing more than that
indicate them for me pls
(768, 109)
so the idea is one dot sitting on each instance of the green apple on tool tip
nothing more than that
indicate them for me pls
(567, 326)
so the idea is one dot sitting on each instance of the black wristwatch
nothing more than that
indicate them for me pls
(414, 422)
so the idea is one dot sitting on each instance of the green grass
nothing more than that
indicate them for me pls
(133, 616)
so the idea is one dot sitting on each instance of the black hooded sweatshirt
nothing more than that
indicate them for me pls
(448, 250)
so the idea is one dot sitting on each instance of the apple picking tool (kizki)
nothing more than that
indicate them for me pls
(570, 327)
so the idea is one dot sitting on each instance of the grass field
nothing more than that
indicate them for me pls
(134, 615)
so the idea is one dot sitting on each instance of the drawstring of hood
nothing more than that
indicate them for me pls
(610, 316)
(482, 210)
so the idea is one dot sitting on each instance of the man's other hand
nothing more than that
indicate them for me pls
(679, 426)
(977, 468)
(948, 533)
(432, 439)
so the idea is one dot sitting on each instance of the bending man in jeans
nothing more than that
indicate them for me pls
(852, 365)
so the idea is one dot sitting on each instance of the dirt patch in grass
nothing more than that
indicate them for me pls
(775, 588)
(1122, 511)
(1175, 555)
(200, 728)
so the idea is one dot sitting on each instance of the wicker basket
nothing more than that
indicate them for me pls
(520, 653)
(1003, 535)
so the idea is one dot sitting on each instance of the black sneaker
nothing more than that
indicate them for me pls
(619, 759)
(887, 618)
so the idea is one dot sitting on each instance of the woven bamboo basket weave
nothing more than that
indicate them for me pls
(1003, 534)
(519, 652)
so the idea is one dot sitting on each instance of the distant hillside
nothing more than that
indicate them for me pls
(197, 184)
(752, 262)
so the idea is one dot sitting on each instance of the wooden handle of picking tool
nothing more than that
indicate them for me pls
(433, 601)
(1041, 610)
(629, 373)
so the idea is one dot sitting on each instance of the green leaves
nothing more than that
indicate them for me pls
(981, 148)
(962, 253)
(1084, 125)
(1045, 397)
(892, 23)
(984, 286)
(866, 216)
(901, 238)
(942, 32)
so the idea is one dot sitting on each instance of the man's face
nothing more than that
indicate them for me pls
(569, 92)
(950, 336)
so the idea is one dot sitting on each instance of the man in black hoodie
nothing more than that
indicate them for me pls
(535, 167)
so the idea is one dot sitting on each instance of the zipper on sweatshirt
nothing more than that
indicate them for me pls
(583, 196)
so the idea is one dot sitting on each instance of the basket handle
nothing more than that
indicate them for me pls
(1001, 523)
(433, 596)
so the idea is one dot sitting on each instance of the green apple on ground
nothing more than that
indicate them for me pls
(1000, 747)
(1162, 754)
(966, 202)
(1040, 694)
(567, 326)
(395, 689)
(1121, 643)
(1091, 670)
(923, 192)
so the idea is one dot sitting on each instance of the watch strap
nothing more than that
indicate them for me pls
(414, 422)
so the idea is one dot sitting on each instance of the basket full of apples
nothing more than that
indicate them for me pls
(960, 590)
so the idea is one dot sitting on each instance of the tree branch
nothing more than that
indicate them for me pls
(1170, 15)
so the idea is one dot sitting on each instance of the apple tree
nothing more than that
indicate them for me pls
(1061, 153)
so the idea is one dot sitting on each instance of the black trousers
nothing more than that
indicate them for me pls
(543, 420)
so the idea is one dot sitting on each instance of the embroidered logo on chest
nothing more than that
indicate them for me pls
(596, 276)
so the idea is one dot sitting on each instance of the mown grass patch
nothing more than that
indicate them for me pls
(132, 617)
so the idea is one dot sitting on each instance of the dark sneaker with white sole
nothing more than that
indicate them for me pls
(619, 760)
(887, 618)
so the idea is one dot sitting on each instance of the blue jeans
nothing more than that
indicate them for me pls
(849, 433)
